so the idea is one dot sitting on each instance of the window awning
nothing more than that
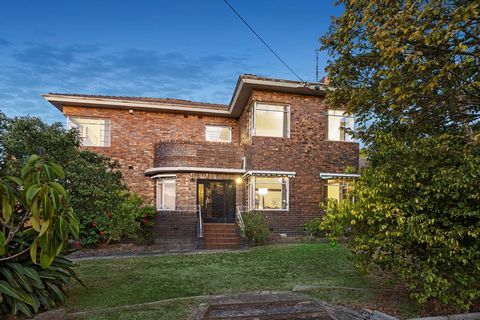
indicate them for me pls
(329, 175)
(159, 176)
(264, 173)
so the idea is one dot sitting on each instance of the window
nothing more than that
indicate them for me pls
(94, 132)
(270, 120)
(338, 125)
(218, 133)
(338, 189)
(166, 194)
(268, 193)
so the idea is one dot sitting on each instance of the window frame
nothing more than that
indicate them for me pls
(251, 187)
(253, 119)
(219, 126)
(107, 124)
(161, 180)
(343, 116)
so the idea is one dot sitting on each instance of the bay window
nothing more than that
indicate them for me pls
(166, 193)
(93, 132)
(339, 123)
(270, 120)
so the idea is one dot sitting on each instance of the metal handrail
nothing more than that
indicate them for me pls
(239, 221)
(200, 221)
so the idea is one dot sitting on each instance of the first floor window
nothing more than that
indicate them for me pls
(339, 125)
(270, 120)
(218, 133)
(338, 189)
(94, 132)
(268, 193)
(166, 194)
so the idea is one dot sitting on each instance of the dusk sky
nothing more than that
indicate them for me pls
(178, 49)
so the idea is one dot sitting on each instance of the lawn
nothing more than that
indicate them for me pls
(118, 282)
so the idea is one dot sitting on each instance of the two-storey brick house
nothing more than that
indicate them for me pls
(277, 148)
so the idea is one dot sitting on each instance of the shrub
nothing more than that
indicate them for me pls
(256, 227)
(132, 219)
(36, 221)
(417, 214)
(28, 288)
(312, 228)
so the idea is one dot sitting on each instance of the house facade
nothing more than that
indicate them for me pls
(276, 148)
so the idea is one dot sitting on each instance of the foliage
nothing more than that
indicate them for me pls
(409, 72)
(312, 228)
(409, 68)
(35, 213)
(256, 227)
(27, 288)
(36, 221)
(417, 214)
(132, 218)
(93, 181)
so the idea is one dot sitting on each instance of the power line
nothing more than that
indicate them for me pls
(263, 41)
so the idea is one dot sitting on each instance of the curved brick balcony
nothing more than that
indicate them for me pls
(198, 154)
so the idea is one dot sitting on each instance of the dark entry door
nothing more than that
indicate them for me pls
(217, 200)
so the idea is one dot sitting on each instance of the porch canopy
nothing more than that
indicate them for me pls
(329, 175)
(265, 173)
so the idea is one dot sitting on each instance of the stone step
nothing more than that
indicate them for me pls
(300, 310)
(222, 242)
(210, 235)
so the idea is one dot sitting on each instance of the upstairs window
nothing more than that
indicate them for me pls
(94, 132)
(270, 120)
(218, 133)
(338, 125)
(166, 194)
(268, 193)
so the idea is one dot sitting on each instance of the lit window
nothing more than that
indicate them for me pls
(338, 189)
(94, 132)
(268, 193)
(338, 125)
(166, 194)
(218, 133)
(270, 120)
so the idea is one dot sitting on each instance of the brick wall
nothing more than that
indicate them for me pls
(134, 137)
(143, 140)
(306, 152)
(198, 154)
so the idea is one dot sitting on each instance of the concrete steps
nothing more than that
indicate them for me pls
(221, 236)
(272, 306)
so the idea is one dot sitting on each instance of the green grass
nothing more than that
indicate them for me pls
(119, 282)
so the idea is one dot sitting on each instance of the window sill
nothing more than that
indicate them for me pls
(281, 210)
(352, 142)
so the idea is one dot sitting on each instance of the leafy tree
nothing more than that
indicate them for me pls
(410, 68)
(409, 71)
(97, 192)
(36, 221)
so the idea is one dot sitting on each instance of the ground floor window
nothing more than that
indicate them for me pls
(268, 193)
(338, 189)
(166, 194)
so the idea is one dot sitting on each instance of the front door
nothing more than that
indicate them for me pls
(217, 200)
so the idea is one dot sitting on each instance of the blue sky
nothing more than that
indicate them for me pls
(178, 49)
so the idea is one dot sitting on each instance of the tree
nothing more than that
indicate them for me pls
(409, 71)
(93, 182)
(408, 67)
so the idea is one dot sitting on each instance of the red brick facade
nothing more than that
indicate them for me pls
(141, 140)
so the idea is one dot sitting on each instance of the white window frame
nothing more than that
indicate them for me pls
(340, 114)
(252, 182)
(253, 119)
(219, 126)
(107, 143)
(161, 197)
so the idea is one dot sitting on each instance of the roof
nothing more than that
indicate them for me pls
(245, 84)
